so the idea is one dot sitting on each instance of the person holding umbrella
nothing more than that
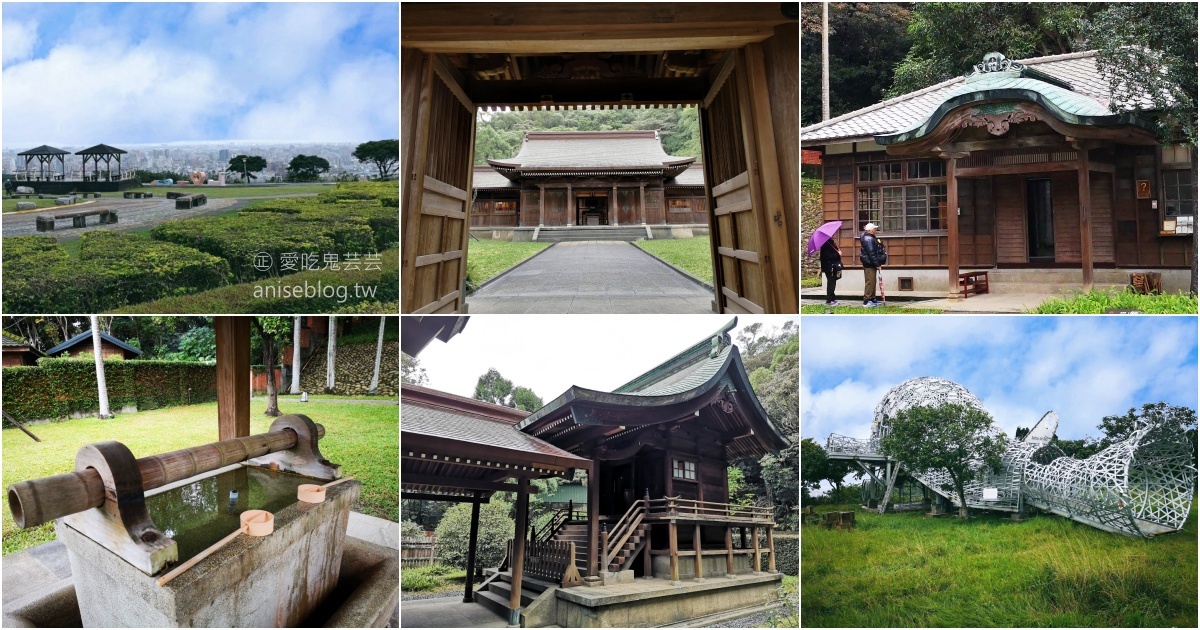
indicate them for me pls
(873, 256)
(831, 256)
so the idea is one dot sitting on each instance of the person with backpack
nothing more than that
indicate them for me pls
(873, 256)
(831, 266)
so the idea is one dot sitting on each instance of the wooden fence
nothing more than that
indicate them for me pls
(418, 552)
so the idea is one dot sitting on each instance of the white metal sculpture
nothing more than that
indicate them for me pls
(1141, 486)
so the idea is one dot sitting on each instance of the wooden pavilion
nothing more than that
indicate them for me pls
(738, 62)
(95, 155)
(1020, 165)
(45, 156)
(593, 178)
(656, 450)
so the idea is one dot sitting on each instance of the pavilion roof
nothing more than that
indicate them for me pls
(101, 149)
(487, 177)
(693, 175)
(1072, 80)
(556, 151)
(45, 149)
(87, 335)
(419, 330)
(707, 378)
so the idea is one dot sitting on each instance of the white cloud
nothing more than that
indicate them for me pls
(19, 39)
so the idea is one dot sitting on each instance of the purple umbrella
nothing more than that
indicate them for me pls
(822, 234)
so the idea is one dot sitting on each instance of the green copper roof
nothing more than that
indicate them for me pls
(686, 370)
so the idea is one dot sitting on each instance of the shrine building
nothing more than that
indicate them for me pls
(1017, 166)
(589, 178)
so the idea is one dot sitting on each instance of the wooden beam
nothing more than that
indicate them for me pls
(233, 376)
(673, 548)
(771, 548)
(951, 228)
(1002, 143)
(472, 540)
(719, 77)
(538, 92)
(729, 570)
(698, 575)
(467, 484)
(593, 519)
(454, 80)
(518, 560)
(425, 496)
(1085, 218)
(414, 181)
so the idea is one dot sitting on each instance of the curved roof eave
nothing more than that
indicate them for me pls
(1011, 94)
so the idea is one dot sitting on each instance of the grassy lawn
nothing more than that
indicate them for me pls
(1099, 302)
(903, 570)
(486, 258)
(689, 254)
(364, 439)
(229, 192)
(821, 309)
(10, 205)
(811, 281)
(436, 578)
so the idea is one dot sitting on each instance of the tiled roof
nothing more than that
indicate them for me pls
(455, 424)
(13, 342)
(591, 149)
(693, 176)
(906, 111)
(487, 177)
(685, 371)
(87, 336)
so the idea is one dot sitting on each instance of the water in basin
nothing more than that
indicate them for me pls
(198, 514)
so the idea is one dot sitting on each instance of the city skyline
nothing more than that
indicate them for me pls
(165, 73)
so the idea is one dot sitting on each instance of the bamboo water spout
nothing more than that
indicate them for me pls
(40, 501)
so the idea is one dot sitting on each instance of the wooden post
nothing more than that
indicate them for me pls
(647, 566)
(642, 193)
(699, 573)
(541, 205)
(571, 218)
(518, 559)
(1085, 216)
(757, 550)
(604, 546)
(474, 537)
(593, 519)
(233, 376)
(952, 222)
(771, 547)
(614, 210)
(729, 571)
(673, 541)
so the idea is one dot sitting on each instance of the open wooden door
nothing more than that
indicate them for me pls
(437, 196)
(751, 230)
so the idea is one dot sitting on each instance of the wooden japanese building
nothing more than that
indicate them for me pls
(656, 451)
(737, 62)
(1019, 165)
(591, 178)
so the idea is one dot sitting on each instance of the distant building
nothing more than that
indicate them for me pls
(19, 352)
(110, 347)
(224, 155)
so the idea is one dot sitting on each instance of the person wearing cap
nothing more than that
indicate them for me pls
(873, 256)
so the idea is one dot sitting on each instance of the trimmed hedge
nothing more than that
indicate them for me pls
(113, 269)
(787, 550)
(58, 388)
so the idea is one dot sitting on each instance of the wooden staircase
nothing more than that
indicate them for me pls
(576, 532)
(629, 551)
(499, 590)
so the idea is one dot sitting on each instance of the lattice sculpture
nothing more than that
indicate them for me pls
(1141, 486)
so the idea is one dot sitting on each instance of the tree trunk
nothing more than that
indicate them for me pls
(296, 356)
(825, 61)
(378, 356)
(269, 361)
(962, 499)
(101, 385)
(331, 355)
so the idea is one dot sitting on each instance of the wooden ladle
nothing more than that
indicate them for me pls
(253, 523)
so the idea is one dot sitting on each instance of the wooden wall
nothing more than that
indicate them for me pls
(695, 210)
(1103, 248)
(485, 214)
(781, 52)
(529, 207)
(1137, 221)
(556, 206)
(976, 225)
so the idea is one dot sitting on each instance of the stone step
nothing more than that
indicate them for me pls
(504, 590)
(528, 582)
(493, 602)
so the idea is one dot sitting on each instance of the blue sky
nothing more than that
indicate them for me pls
(83, 73)
(1083, 368)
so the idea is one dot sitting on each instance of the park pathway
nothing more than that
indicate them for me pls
(592, 277)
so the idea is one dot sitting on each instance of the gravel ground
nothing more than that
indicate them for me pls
(457, 592)
(132, 214)
(757, 620)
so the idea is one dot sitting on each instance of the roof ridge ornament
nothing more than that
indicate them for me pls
(997, 62)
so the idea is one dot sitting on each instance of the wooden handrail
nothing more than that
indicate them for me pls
(622, 530)
(611, 552)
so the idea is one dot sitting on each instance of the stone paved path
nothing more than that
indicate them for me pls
(132, 214)
(592, 277)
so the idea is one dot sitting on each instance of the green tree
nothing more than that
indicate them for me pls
(495, 530)
(494, 388)
(384, 154)
(273, 333)
(411, 372)
(306, 168)
(199, 344)
(948, 438)
(253, 164)
(494, 144)
(1118, 428)
(524, 398)
(813, 464)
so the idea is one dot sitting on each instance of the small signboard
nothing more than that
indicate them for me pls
(1143, 189)
(991, 494)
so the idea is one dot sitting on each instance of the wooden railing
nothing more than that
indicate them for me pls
(611, 542)
(668, 508)
(553, 561)
(560, 518)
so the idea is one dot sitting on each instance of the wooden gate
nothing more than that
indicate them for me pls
(437, 197)
(750, 227)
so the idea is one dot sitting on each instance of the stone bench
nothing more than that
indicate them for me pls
(45, 223)
(137, 195)
(26, 205)
(187, 202)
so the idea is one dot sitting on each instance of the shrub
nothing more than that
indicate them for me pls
(1101, 301)
(431, 578)
(787, 550)
(57, 388)
(495, 529)
(409, 529)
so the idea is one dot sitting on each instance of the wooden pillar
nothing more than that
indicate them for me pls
(1085, 217)
(642, 194)
(729, 571)
(233, 376)
(593, 518)
(517, 562)
(771, 548)
(699, 573)
(571, 210)
(614, 210)
(757, 550)
(541, 205)
(673, 541)
(952, 222)
(474, 537)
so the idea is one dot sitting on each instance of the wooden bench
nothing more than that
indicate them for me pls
(972, 283)
(45, 223)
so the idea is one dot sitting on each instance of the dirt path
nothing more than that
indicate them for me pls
(132, 214)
